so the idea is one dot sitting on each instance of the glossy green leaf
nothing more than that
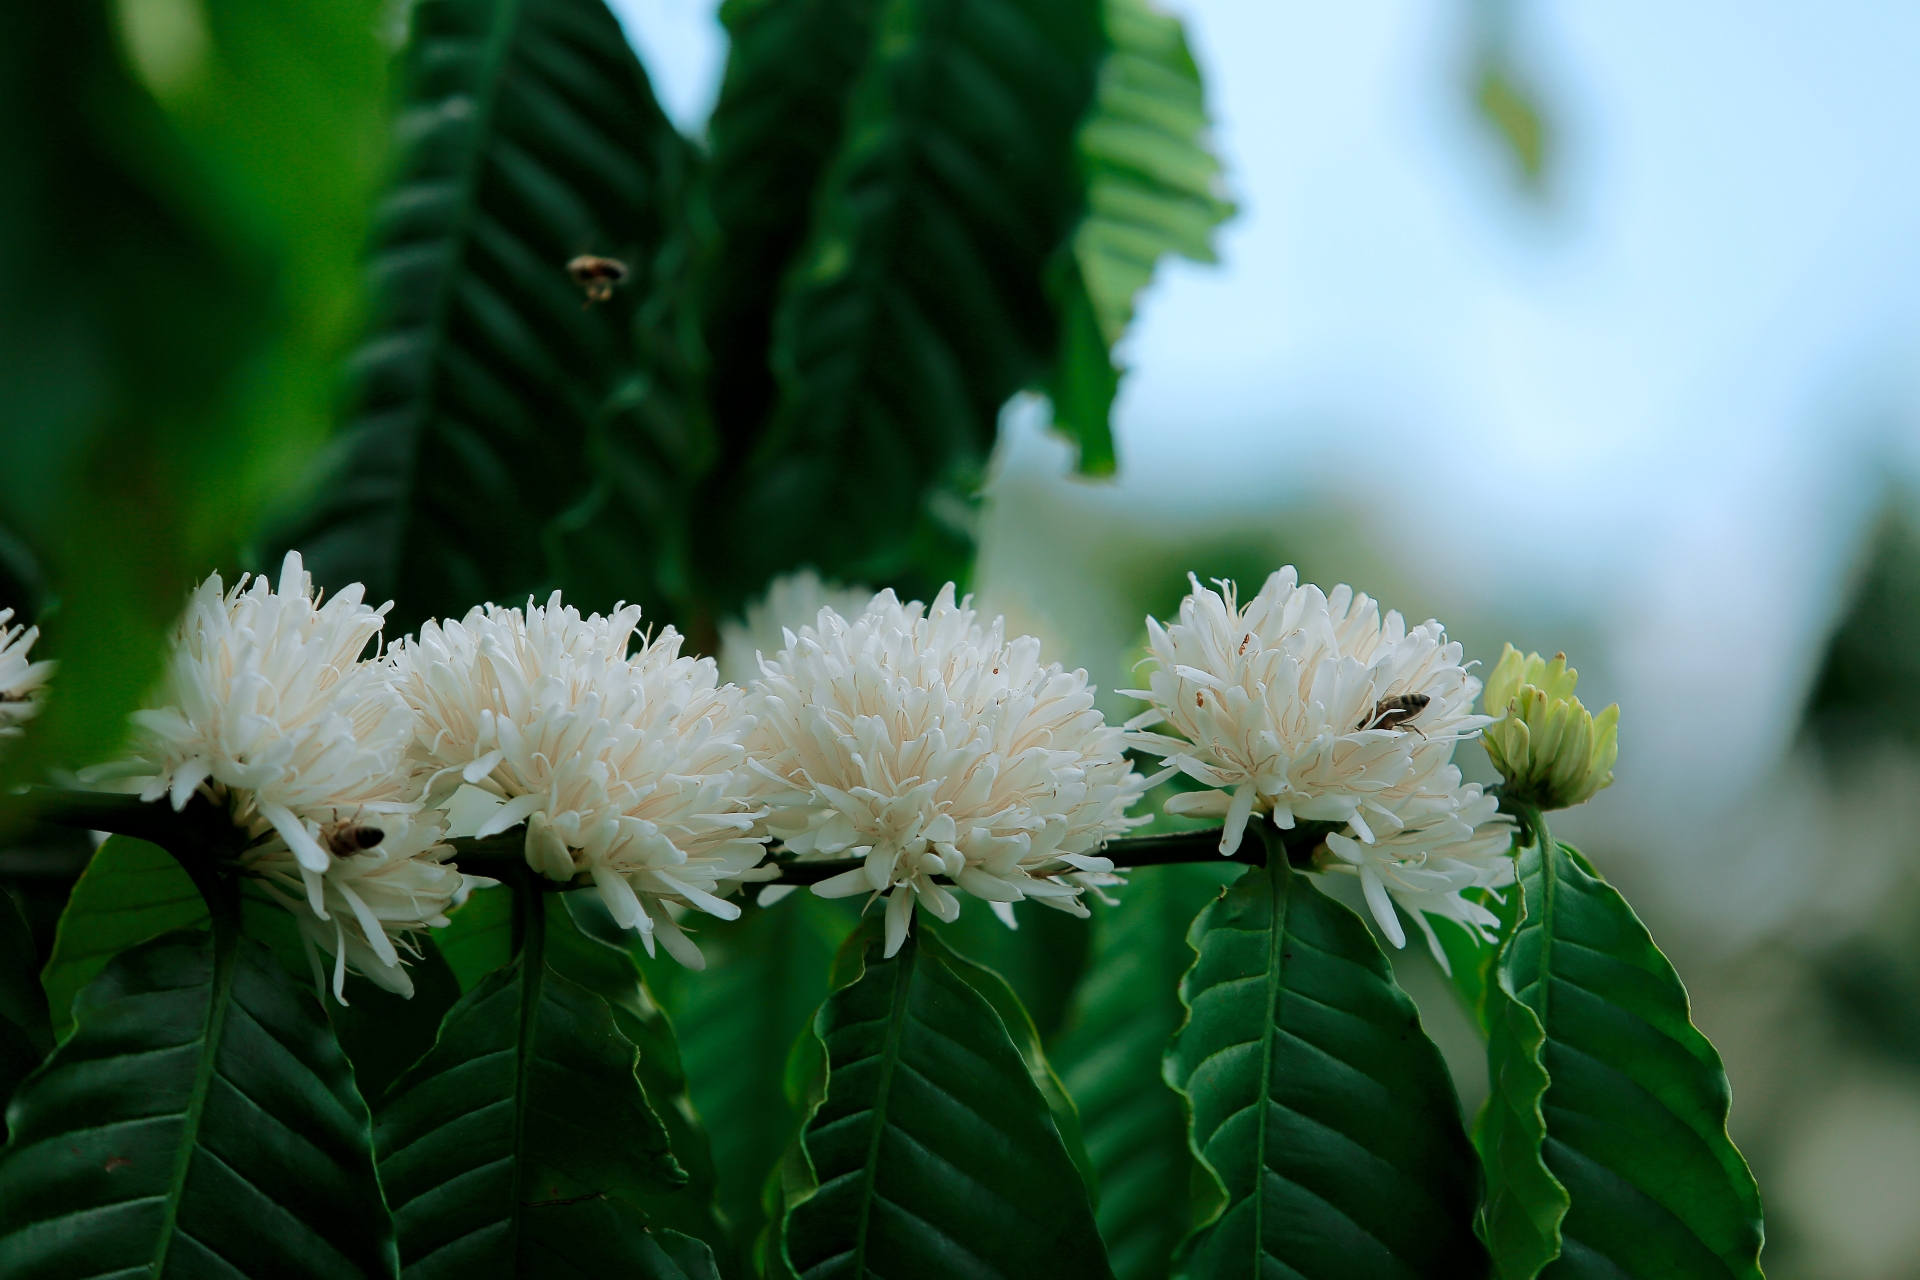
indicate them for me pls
(131, 891)
(738, 1020)
(1153, 189)
(586, 946)
(25, 1033)
(1632, 1098)
(522, 1144)
(931, 1151)
(1320, 1109)
(179, 254)
(1122, 1019)
(200, 1120)
(791, 69)
(528, 135)
(1043, 960)
(919, 304)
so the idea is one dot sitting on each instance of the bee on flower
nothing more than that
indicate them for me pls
(1304, 706)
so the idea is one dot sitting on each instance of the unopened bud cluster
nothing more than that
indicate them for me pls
(1553, 752)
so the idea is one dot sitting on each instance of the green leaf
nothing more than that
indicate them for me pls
(1633, 1098)
(130, 892)
(522, 1144)
(1470, 961)
(479, 935)
(384, 1033)
(1043, 960)
(1153, 187)
(932, 1152)
(585, 945)
(25, 1034)
(1319, 1107)
(1123, 1017)
(782, 111)
(738, 1020)
(919, 304)
(528, 135)
(200, 1120)
(180, 259)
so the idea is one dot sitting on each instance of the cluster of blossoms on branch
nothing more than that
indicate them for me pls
(915, 745)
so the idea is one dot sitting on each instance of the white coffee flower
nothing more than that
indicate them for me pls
(928, 747)
(629, 769)
(21, 681)
(269, 709)
(1451, 837)
(791, 601)
(1301, 706)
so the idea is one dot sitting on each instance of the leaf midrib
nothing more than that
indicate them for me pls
(532, 961)
(1280, 884)
(889, 1058)
(226, 943)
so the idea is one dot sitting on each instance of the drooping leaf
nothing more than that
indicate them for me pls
(130, 892)
(919, 302)
(585, 944)
(931, 1151)
(791, 69)
(1631, 1099)
(738, 1020)
(1122, 1019)
(528, 135)
(1153, 189)
(522, 1144)
(1322, 1112)
(25, 1033)
(179, 242)
(200, 1120)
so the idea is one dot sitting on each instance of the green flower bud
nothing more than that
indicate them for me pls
(1553, 752)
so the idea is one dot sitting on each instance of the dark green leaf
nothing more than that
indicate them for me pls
(522, 1143)
(1043, 960)
(200, 1120)
(528, 135)
(738, 1020)
(931, 1150)
(1635, 1114)
(131, 891)
(1122, 1019)
(585, 945)
(791, 69)
(1320, 1107)
(919, 303)
(384, 1033)
(25, 1034)
(178, 276)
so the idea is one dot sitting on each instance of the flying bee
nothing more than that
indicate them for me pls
(348, 838)
(1395, 712)
(598, 276)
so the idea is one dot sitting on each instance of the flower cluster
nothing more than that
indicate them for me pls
(272, 709)
(627, 769)
(915, 746)
(927, 746)
(1304, 706)
(21, 681)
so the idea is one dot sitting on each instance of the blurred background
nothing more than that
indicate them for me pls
(1590, 328)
